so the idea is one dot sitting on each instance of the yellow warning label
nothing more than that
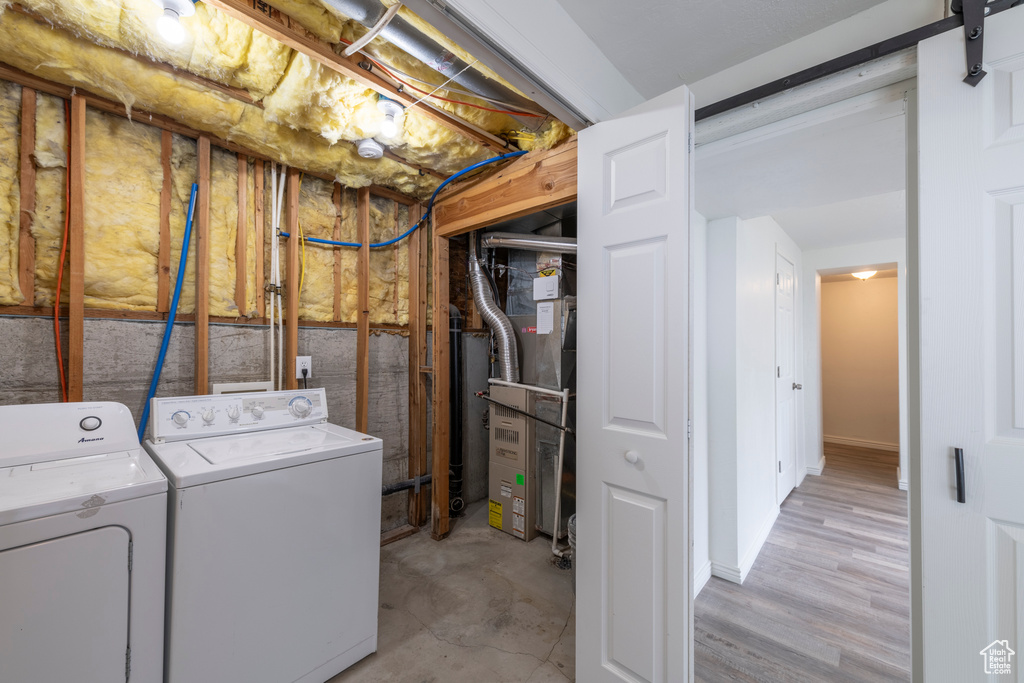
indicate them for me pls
(495, 514)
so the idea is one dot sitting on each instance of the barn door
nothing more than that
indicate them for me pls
(971, 248)
(633, 510)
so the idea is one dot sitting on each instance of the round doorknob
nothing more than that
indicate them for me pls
(632, 457)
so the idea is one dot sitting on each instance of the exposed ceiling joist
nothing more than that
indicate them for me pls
(281, 27)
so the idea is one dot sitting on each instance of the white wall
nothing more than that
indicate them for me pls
(860, 362)
(699, 444)
(882, 21)
(842, 259)
(741, 387)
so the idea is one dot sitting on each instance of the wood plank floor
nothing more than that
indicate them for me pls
(828, 599)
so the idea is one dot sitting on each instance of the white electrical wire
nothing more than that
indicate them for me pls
(442, 85)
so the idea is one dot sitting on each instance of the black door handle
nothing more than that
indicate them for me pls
(958, 457)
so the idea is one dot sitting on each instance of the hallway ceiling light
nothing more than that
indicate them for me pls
(168, 26)
(864, 274)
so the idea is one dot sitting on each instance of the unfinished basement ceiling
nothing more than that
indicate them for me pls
(659, 45)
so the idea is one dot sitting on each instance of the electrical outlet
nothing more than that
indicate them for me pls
(303, 363)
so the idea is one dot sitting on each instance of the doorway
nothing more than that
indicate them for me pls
(823, 191)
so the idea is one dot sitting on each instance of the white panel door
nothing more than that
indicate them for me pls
(633, 510)
(971, 248)
(64, 609)
(785, 378)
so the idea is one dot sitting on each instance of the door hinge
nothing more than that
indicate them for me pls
(689, 429)
(778, 371)
(128, 663)
(780, 467)
(131, 555)
(689, 141)
(777, 282)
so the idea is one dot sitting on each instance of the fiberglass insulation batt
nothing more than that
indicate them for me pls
(51, 160)
(10, 192)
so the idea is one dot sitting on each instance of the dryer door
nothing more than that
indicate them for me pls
(64, 613)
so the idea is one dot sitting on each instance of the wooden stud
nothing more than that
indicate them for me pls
(337, 252)
(531, 183)
(363, 312)
(163, 269)
(27, 181)
(398, 534)
(417, 356)
(261, 238)
(76, 247)
(291, 348)
(242, 235)
(201, 235)
(440, 525)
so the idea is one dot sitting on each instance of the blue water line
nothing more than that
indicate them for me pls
(430, 205)
(182, 263)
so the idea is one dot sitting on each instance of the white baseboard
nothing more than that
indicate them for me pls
(739, 574)
(862, 443)
(816, 470)
(701, 576)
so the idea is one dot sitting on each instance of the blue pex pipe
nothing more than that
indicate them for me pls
(182, 263)
(430, 205)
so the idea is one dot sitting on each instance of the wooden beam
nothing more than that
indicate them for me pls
(398, 534)
(163, 268)
(242, 235)
(201, 234)
(76, 247)
(261, 238)
(363, 312)
(531, 183)
(337, 252)
(27, 183)
(282, 28)
(441, 400)
(291, 286)
(423, 169)
(385, 193)
(417, 356)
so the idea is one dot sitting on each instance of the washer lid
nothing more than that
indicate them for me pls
(80, 484)
(206, 460)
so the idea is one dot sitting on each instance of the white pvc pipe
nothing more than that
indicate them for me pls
(277, 277)
(270, 317)
(372, 33)
(529, 387)
(560, 552)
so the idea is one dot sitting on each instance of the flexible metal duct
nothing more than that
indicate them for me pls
(504, 334)
(407, 37)
(514, 240)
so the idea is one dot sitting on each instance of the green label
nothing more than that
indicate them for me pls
(520, 480)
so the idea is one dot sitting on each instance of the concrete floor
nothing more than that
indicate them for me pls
(478, 607)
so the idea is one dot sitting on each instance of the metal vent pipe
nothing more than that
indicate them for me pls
(501, 326)
(515, 240)
(407, 37)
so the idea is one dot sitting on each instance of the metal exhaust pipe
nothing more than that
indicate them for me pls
(501, 326)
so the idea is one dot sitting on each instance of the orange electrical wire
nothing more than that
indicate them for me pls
(445, 99)
(63, 253)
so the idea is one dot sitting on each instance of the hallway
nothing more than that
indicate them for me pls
(829, 595)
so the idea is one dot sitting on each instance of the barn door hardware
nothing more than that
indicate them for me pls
(974, 13)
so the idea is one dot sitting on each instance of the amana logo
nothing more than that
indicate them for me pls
(84, 440)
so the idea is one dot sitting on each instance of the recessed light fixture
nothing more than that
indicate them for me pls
(864, 274)
(168, 26)
(391, 109)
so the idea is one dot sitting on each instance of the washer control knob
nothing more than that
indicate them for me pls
(90, 423)
(300, 406)
(208, 415)
(233, 413)
(180, 418)
(257, 411)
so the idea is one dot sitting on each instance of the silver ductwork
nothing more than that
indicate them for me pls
(504, 334)
(515, 240)
(404, 35)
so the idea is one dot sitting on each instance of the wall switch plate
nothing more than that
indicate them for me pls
(303, 362)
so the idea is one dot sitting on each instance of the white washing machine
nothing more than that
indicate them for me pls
(83, 523)
(273, 540)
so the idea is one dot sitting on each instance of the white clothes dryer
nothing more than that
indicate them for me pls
(274, 537)
(83, 524)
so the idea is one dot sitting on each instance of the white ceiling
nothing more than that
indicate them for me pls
(829, 181)
(659, 45)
